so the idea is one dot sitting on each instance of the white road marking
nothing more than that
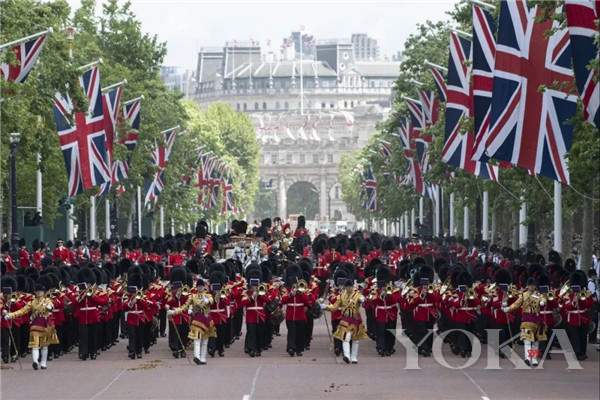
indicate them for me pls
(253, 388)
(485, 395)
(101, 392)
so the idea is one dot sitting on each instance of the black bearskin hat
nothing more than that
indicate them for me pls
(464, 278)
(578, 278)
(502, 276)
(387, 244)
(383, 276)
(218, 277)
(301, 221)
(86, 275)
(135, 280)
(178, 274)
(9, 281)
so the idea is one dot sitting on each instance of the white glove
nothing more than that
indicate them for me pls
(6, 316)
(170, 312)
(542, 303)
(190, 311)
(323, 306)
(505, 309)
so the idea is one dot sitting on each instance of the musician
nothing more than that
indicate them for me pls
(39, 253)
(339, 279)
(86, 302)
(501, 295)
(254, 301)
(465, 304)
(219, 312)
(547, 308)
(424, 303)
(296, 299)
(532, 330)
(10, 301)
(133, 305)
(575, 306)
(384, 300)
(350, 330)
(42, 332)
(202, 328)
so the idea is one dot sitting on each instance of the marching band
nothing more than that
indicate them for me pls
(199, 289)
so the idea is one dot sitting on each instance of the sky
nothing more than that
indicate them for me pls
(188, 25)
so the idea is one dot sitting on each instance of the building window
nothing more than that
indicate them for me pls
(323, 105)
(245, 107)
(274, 158)
(286, 105)
(330, 158)
(264, 105)
(256, 106)
(331, 105)
(288, 158)
(302, 158)
(337, 192)
(237, 106)
(315, 158)
(277, 105)
(345, 104)
(352, 104)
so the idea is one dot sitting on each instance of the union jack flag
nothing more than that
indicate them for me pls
(414, 174)
(26, 53)
(430, 105)
(111, 104)
(440, 82)
(228, 200)
(160, 158)
(132, 112)
(458, 146)
(484, 54)
(154, 187)
(385, 151)
(582, 17)
(82, 136)
(530, 124)
(369, 193)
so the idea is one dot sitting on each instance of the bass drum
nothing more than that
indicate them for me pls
(277, 316)
(315, 311)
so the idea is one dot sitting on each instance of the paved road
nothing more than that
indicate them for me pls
(275, 375)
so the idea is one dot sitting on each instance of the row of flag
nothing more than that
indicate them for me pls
(213, 178)
(517, 80)
(88, 137)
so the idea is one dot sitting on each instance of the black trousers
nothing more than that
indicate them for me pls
(147, 335)
(7, 346)
(421, 331)
(461, 340)
(87, 339)
(371, 328)
(310, 323)
(251, 341)
(23, 340)
(218, 343)
(162, 322)
(385, 339)
(183, 330)
(296, 335)
(136, 339)
(337, 343)
(578, 337)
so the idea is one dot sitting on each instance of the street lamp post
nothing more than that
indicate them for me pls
(15, 138)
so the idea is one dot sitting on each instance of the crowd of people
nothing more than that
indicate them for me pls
(200, 288)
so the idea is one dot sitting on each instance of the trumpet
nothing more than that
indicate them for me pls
(185, 290)
(138, 295)
(389, 289)
(407, 287)
(223, 293)
(565, 289)
(301, 286)
(471, 294)
(430, 288)
(262, 289)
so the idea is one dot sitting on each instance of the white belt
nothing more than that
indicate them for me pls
(385, 307)
(135, 311)
(218, 310)
(576, 311)
(546, 312)
(55, 310)
(254, 308)
(426, 305)
(87, 308)
(467, 308)
(295, 305)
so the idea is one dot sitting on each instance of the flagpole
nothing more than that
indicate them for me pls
(114, 85)
(466, 222)
(107, 218)
(39, 205)
(406, 232)
(139, 210)
(412, 221)
(69, 210)
(301, 77)
(134, 99)
(93, 230)
(558, 217)
(162, 221)
(421, 210)
(485, 220)
(522, 226)
(26, 38)
(172, 227)
(451, 215)
(436, 203)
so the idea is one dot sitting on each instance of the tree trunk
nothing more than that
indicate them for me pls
(515, 230)
(587, 237)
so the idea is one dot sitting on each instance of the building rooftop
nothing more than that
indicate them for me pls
(377, 69)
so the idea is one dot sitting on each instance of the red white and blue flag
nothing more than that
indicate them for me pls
(111, 105)
(160, 158)
(440, 82)
(531, 105)
(26, 53)
(459, 145)
(82, 136)
(228, 199)
(430, 105)
(582, 20)
(369, 193)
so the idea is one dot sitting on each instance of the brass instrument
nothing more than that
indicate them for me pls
(430, 288)
(185, 290)
(301, 286)
(262, 289)
(91, 290)
(584, 294)
(407, 287)
(550, 295)
(471, 294)
(223, 293)
(565, 289)
(138, 295)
